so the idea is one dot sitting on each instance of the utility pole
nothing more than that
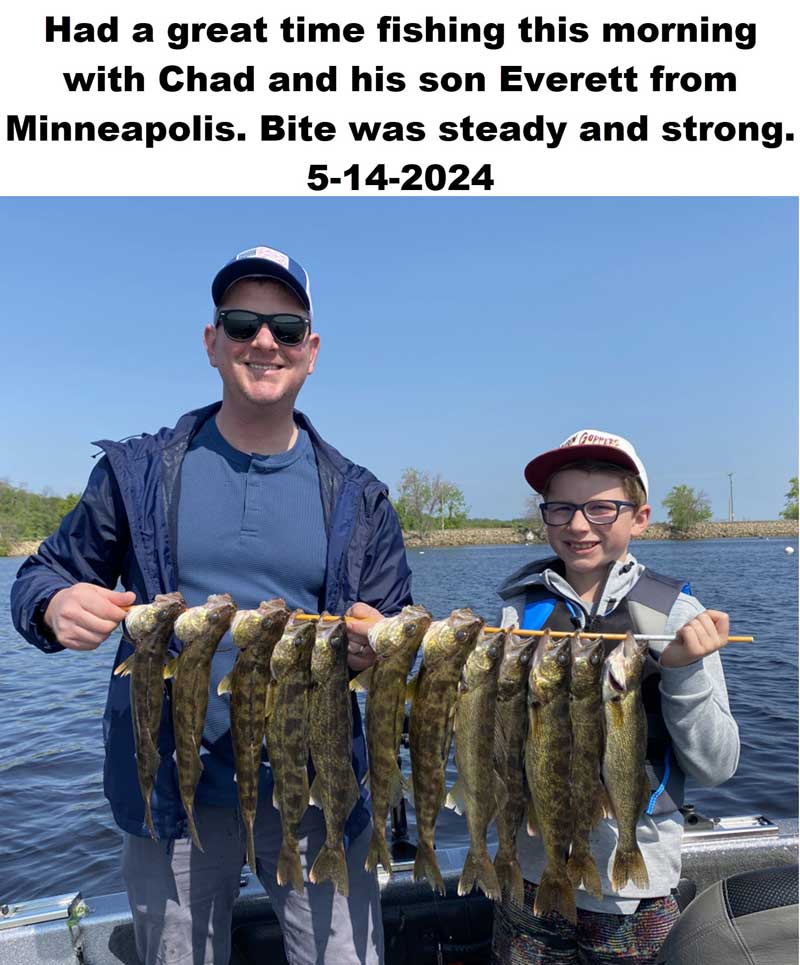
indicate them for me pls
(730, 499)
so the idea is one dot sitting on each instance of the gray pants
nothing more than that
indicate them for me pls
(182, 899)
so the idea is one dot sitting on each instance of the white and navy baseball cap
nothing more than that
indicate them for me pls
(586, 444)
(263, 262)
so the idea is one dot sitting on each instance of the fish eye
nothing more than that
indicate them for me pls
(596, 657)
(563, 658)
(461, 635)
(297, 640)
(525, 656)
(492, 652)
(213, 616)
(411, 628)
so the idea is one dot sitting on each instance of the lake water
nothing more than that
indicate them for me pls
(57, 830)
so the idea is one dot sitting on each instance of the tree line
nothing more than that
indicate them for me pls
(426, 502)
(30, 516)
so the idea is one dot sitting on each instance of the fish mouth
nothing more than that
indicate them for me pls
(614, 683)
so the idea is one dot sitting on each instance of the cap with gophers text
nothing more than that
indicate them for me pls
(586, 444)
(263, 262)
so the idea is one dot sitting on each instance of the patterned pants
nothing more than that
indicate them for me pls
(522, 938)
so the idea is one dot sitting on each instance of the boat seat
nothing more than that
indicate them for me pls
(747, 919)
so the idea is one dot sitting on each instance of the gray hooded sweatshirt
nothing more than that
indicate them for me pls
(694, 704)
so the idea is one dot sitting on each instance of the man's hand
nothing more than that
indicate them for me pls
(360, 654)
(82, 616)
(706, 634)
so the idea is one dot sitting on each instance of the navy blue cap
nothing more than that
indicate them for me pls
(263, 262)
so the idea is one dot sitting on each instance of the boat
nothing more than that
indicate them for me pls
(418, 925)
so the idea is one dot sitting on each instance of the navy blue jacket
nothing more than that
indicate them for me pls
(125, 529)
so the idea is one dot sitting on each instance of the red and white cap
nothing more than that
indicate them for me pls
(586, 444)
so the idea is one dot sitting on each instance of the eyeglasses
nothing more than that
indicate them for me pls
(602, 512)
(242, 325)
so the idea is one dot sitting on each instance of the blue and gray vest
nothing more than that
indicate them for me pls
(644, 609)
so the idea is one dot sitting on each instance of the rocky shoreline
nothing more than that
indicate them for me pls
(757, 529)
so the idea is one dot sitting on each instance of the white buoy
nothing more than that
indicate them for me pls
(788, 550)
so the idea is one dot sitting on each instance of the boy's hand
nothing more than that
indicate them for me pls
(706, 634)
(82, 616)
(360, 654)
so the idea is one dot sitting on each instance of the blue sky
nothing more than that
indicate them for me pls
(458, 336)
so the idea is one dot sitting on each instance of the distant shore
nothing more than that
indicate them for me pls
(500, 536)
(757, 529)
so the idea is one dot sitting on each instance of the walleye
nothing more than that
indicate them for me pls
(255, 633)
(150, 628)
(335, 788)
(444, 650)
(510, 728)
(396, 641)
(287, 739)
(588, 794)
(624, 760)
(548, 751)
(475, 791)
(200, 629)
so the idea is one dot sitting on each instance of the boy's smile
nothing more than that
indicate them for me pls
(588, 549)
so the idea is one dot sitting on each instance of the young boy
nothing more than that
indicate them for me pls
(595, 501)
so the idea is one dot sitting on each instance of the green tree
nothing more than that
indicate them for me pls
(424, 501)
(686, 508)
(448, 503)
(790, 510)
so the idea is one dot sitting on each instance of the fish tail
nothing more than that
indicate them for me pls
(478, 869)
(629, 866)
(331, 865)
(378, 852)
(290, 871)
(148, 818)
(189, 807)
(581, 867)
(251, 844)
(426, 866)
(555, 894)
(509, 877)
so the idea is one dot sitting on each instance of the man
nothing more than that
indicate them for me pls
(241, 497)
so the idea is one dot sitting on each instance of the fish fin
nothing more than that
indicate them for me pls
(397, 786)
(448, 736)
(509, 877)
(193, 826)
(290, 870)
(412, 687)
(479, 870)
(426, 866)
(629, 866)
(249, 820)
(533, 823)
(269, 706)
(408, 788)
(581, 867)
(224, 686)
(363, 680)
(500, 792)
(331, 865)
(148, 818)
(170, 667)
(456, 798)
(125, 667)
(378, 852)
(555, 894)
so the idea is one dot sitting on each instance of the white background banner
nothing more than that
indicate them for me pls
(463, 99)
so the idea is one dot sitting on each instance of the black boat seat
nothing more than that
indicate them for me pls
(747, 919)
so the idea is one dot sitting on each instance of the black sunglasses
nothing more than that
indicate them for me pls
(242, 325)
